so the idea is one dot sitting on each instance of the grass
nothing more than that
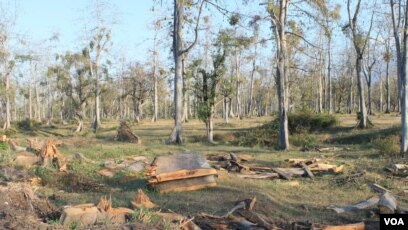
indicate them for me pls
(281, 200)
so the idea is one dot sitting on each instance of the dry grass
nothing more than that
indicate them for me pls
(279, 199)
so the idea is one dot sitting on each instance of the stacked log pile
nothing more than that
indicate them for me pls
(180, 172)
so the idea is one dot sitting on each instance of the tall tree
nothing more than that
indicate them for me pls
(178, 53)
(360, 40)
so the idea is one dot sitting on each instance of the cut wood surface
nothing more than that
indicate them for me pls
(359, 206)
(357, 226)
(182, 174)
(185, 184)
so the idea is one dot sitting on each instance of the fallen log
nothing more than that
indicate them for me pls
(378, 188)
(357, 226)
(400, 166)
(15, 147)
(307, 169)
(359, 206)
(326, 167)
(189, 184)
(182, 174)
(387, 204)
(287, 173)
(259, 176)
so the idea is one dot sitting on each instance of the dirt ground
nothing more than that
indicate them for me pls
(28, 204)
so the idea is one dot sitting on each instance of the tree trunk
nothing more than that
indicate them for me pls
(404, 120)
(209, 126)
(176, 136)
(350, 99)
(329, 76)
(30, 94)
(80, 115)
(369, 97)
(362, 106)
(227, 109)
(381, 95)
(8, 113)
(387, 88)
(281, 77)
(95, 72)
(320, 87)
(155, 84)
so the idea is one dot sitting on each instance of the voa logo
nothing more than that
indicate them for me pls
(393, 221)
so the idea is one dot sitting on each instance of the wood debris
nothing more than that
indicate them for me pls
(125, 134)
(180, 172)
(141, 200)
(241, 216)
(359, 206)
(356, 226)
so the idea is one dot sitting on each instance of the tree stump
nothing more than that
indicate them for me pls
(125, 134)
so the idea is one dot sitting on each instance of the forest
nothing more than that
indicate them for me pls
(203, 114)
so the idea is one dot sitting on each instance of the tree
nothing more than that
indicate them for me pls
(7, 67)
(74, 74)
(360, 41)
(98, 45)
(178, 52)
(206, 91)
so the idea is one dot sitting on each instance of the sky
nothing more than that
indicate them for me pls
(38, 20)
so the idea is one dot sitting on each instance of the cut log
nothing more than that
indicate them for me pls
(306, 168)
(357, 226)
(15, 147)
(400, 166)
(387, 204)
(259, 168)
(378, 188)
(287, 173)
(359, 206)
(297, 161)
(26, 159)
(3, 138)
(189, 184)
(85, 215)
(259, 219)
(182, 174)
(141, 200)
(327, 167)
(259, 176)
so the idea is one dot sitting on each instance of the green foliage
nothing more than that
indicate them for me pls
(303, 139)
(307, 121)
(389, 145)
(28, 125)
(3, 146)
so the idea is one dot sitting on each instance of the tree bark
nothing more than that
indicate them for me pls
(387, 88)
(155, 83)
(329, 76)
(8, 113)
(281, 78)
(404, 120)
(363, 111)
(176, 136)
